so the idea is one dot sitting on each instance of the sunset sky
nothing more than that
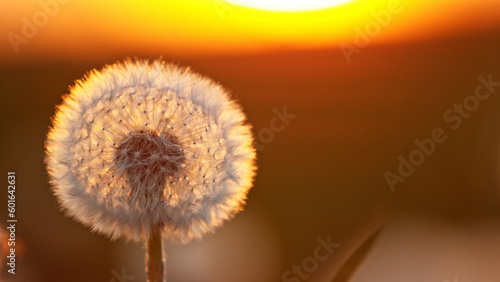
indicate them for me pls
(193, 28)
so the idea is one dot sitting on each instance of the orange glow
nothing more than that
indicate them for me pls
(286, 5)
(94, 29)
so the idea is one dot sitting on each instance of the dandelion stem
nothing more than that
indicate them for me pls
(154, 260)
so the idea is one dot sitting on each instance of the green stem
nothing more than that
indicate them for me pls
(154, 260)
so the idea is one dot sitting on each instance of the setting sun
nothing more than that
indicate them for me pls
(216, 27)
(290, 6)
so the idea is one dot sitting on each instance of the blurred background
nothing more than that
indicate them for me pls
(364, 80)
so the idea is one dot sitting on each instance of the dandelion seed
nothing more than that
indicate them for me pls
(130, 153)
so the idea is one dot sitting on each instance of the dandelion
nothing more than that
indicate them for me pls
(143, 150)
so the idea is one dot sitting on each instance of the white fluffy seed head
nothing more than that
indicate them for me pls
(143, 145)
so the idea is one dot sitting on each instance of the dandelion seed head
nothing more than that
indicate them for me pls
(140, 145)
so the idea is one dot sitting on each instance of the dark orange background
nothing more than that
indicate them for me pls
(322, 175)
